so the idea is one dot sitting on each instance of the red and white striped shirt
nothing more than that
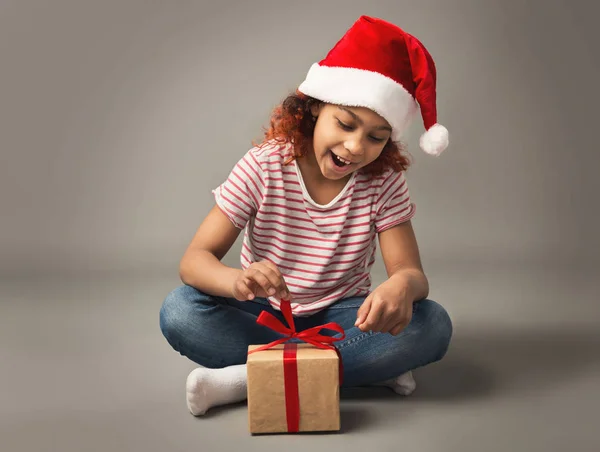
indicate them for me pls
(324, 252)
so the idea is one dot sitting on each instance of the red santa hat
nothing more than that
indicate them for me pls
(379, 66)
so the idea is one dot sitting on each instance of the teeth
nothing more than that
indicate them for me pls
(341, 159)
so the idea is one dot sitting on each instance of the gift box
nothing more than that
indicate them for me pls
(294, 387)
(278, 389)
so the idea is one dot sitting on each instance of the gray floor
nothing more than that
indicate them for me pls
(84, 368)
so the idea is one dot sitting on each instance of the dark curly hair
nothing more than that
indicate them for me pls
(292, 122)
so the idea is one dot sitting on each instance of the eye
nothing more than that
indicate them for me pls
(344, 126)
(348, 127)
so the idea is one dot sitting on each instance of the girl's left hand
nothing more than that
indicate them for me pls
(388, 309)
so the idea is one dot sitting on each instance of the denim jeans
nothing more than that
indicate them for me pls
(215, 332)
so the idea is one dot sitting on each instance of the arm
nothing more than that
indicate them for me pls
(201, 266)
(389, 307)
(400, 253)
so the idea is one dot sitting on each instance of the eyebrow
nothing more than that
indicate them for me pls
(360, 121)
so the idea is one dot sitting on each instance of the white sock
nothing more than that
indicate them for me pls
(206, 388)
(405, 384)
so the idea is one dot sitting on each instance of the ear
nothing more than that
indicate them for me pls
(315, 108)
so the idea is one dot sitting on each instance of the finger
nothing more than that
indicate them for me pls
(386, 320)
(261, 279)
(276, 278)
(391, 318)
(363, 311)
(245, 290)
(392, 321)
(403, 323)
(372, 323)
(397, 329)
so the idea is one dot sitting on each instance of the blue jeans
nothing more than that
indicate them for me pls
(215, 332)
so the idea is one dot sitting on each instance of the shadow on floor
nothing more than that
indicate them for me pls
(485, 363)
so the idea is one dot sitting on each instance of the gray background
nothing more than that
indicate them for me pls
(117, 118)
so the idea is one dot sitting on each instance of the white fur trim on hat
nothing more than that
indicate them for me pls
(361, 88)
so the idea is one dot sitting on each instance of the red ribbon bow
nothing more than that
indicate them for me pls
(290, 367)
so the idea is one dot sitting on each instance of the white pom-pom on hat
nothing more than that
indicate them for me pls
(435, 140)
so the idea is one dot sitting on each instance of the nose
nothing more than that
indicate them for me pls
(354, 145)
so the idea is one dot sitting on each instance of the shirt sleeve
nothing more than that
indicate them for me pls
(240, 195)
(394, 205)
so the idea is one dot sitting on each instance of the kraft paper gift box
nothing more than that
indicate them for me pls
(279, 398)
(294, 387)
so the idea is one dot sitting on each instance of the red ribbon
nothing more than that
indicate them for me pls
(290, 365)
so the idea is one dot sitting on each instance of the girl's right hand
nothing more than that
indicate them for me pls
(260, 279)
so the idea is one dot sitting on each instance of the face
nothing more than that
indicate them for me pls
(347, 138)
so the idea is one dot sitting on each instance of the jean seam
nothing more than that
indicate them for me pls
(354, 339)
(343, 307)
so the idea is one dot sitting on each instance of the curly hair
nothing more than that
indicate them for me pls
(292, 122)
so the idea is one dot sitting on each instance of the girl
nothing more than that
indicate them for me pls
(314, 198)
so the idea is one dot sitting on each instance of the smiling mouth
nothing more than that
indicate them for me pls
(338, 162)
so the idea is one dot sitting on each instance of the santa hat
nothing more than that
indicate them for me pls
(379, 66)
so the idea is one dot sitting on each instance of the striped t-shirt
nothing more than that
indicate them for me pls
(324, 252)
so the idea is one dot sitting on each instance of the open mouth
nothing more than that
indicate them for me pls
(338, 161)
